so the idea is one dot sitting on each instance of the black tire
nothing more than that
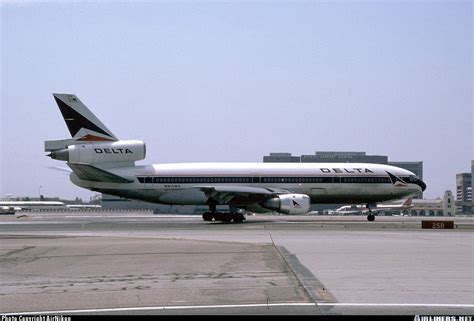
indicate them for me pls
(219, 216)
(207, 216)
(371, 217)
(238, 218)
(227, 217)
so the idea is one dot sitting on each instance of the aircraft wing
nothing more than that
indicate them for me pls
(223, 194)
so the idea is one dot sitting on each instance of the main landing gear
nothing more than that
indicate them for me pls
(234, 216)
(223, 217)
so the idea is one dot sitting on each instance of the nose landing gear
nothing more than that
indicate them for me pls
(371, 216)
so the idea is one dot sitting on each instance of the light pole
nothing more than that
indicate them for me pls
(39, 191)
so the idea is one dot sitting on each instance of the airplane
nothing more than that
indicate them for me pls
(103, 163)
(10, 207)
(7, 210)
(348, 210)
(82, 207)
(361, 209)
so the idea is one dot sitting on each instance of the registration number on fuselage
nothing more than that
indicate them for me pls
(172, 186)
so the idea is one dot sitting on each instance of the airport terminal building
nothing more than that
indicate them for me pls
(444, 206)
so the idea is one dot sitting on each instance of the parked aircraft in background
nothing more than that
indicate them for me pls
(361, 209)
(10, 207)
(7, 210)
(348, 210)
(103, 163)
(82, 207)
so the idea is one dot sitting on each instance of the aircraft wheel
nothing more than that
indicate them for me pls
(207, 216)
(371, 217)
(227, 217)
(219, 216)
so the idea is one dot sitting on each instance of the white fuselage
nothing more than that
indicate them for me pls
(362, 208)
(322, 182)
(33, 205)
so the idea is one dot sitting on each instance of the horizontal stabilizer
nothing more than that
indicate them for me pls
(92, 173)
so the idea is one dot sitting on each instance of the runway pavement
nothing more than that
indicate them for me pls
(140, 263)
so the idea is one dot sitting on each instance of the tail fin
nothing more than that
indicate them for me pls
(81, 122)
(407, 202)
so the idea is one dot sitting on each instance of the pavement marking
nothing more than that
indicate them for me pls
(313, 287)
(187, 307)
(427, 305)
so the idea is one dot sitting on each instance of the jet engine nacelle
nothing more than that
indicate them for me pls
(103, 152)
(292, 204)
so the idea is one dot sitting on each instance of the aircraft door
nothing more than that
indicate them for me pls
(149, 182)
(255, 178)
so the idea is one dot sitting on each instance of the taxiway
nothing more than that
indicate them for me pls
(140, 263)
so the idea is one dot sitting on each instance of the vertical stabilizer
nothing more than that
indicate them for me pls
(407, 202)
(81, 122)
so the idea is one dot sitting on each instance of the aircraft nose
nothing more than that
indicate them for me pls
(421, 184)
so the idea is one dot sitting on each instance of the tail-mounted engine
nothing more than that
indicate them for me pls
(292, 204)
(101, 152)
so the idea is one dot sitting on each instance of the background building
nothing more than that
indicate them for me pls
(343, 157)
(449, 205)
(464, 193)
(281, 158)
(444, 206)
(346, 157)
(472, 175)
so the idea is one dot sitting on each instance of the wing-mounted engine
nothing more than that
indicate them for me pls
(292, 204)
(100, 152)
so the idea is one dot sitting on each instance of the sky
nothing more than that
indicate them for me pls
(232, 81)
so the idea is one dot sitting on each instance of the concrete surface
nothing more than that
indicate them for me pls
(162, 264)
